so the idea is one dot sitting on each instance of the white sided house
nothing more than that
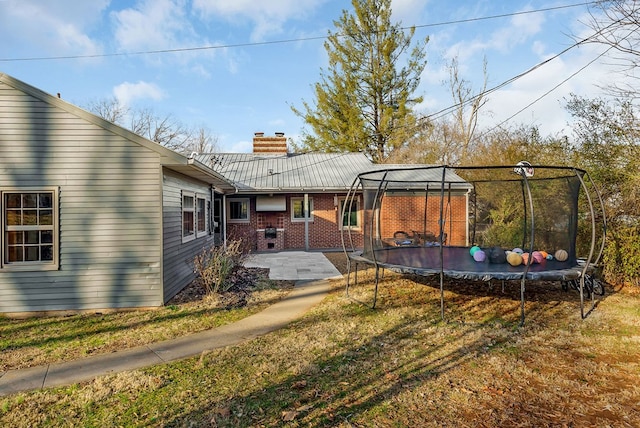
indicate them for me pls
(93, 216)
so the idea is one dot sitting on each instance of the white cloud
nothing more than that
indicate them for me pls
(128, 92)
(268, 17)
(40, 23)
(152, 24)
(405, 10)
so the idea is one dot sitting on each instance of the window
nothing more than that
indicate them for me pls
(297, 209)
(238, 210)
(188, 216)
(29, 229)
(201, 216)
(349, 213)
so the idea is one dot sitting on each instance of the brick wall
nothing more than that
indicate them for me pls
(323, 229)
(407, 213)
(402, 212)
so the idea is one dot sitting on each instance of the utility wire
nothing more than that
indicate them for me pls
(274, 42)
(444, 112)
(548, 92)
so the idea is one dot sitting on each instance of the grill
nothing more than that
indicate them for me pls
(270, 233)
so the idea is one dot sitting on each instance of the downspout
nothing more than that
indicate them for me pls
(306, 221)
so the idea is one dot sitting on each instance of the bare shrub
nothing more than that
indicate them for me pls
(214, 265)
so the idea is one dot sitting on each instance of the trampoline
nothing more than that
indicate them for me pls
(425, 221)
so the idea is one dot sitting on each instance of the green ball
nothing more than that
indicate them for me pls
(473, 250)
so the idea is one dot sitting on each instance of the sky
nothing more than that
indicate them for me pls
(237, 67)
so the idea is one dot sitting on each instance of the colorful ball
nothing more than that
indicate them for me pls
(561, 255)
(544, 254)
(514, 259)
(479, 256)
(525, 258)
(537, 257)
(473, 250)
(518, 250)
(549, 256)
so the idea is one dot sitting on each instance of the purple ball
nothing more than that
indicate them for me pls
(479, 256)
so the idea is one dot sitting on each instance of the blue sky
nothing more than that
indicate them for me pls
(249, 81)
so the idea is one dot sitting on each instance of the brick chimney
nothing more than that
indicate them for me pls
(270, 145)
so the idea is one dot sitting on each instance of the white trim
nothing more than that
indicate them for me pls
(301, 219)
(188, 209)
(356, 203)
(54, 263)
(201, 233)
(248, 209)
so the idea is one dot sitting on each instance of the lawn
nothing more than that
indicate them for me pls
(400, 365)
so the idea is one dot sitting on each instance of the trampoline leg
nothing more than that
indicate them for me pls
(348, 277)
(355, 280)
(442, 295)
(375, 291)
(522, 282)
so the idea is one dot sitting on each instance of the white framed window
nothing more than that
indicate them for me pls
(201, 216)
(238, 210)
(188, 216)
(29, 229)
(297, 209)
(350, 213)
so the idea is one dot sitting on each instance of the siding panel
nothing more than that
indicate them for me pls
(178, 256)
(109, 209)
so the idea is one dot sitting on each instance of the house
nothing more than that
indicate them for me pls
(94, 216)
(285, 201)
(273, 188)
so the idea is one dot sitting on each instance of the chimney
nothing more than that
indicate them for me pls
(269, 145)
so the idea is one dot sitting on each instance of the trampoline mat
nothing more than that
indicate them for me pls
(457, 263)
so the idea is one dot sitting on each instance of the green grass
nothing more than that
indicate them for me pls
(344, 365)
(36, 341)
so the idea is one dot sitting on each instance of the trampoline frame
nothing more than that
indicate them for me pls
(561, 272)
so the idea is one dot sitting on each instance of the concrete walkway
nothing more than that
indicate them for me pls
(309, 270)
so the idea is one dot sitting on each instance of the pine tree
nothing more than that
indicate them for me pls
(364, 99)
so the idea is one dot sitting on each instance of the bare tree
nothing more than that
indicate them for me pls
(468, 105)
(616, 23)
(109, 109)
(448, 137)
(164, 130)
(203, 141)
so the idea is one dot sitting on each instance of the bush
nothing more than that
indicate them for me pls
(622, 256)
(214, 265)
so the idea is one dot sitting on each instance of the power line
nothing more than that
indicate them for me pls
(444, 112)
(283, 41)
(549, 91)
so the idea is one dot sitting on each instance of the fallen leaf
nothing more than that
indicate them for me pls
(305, 408)
(289, 416)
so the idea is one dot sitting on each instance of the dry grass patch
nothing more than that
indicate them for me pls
(36, 341)
(345, 365)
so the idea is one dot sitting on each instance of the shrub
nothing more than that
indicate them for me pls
(214, 265)
(622, 256)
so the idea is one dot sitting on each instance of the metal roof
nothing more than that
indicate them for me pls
(291, 172)
(315, 172)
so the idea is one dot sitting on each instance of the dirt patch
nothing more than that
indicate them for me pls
(245, 284)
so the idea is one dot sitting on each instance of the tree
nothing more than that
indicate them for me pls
(607, 134)
(449, 139)
(616, 23)
(164, 130)
(364, 98)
